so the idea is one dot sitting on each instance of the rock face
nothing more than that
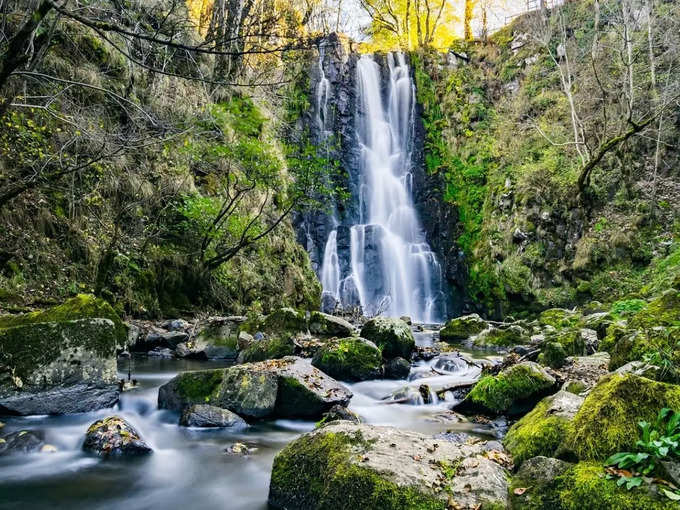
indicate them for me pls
(513, 391)
(58, 367)
(541, 431)
(288, 387)
(348, 466)
(392, 336)
(397, 368)
(203, 415)
(114, 437)
(349, 359)
(462, 328)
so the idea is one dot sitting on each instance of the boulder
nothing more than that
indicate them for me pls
(541, 431)
(114, 437)
(397, 368)
(586, 369)
(347, 466)
(322, 324)
(288, 387)
(82, 306)
(244, 340)
(339, 413)
(275, 347)
(285, 322)
(536, 483)
(218, 337)
(607, 421)
(349, 359)
(58, 367)
(553, 355)
(502, 336)
(204, 415)
(599, 322)
(559, 318)
(640, 368)
(462, 328)
(513, 391)
(22, 441)
(392, 336)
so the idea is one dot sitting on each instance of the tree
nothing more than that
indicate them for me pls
(469, 10)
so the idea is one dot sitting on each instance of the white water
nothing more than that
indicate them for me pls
(393, 270)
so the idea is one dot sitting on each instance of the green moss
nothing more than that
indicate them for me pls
(559, 318)
(537, 433)
(508, 389)
(662, 311)
(331, 481)
(607, 421)
(349, 359)
(82, 306)
(269, 348)
(285, 321)
(502, 337)
(462, 328)
(585, 486)
(553, 355)
(571, 341)
(392, 336)
(199, 387)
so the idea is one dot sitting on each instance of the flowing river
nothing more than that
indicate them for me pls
(189, 468)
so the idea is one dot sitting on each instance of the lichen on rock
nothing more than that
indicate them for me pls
(349, 359)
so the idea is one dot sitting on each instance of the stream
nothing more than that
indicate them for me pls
(189, 468)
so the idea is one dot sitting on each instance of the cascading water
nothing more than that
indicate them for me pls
(392, 270)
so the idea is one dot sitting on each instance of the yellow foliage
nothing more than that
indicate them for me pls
(200, 12)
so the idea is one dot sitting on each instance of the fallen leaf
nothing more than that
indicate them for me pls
(519, 491)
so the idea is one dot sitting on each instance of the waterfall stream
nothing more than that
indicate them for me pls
(392, 270)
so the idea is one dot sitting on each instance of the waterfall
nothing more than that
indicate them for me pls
(392, 270)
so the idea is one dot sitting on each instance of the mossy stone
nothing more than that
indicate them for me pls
(502, 337)
(268, 348)
(462, 328)
(285, 322)
(349, 359)
(542, 430)
(608, 419)
(559, 318)
(662, 311)
(553, 355)
(82, 306)
(512, 391)
(392, 336)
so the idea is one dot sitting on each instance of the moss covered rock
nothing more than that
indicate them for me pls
(559, 318)
(462, 328)
(349, 359)
(347, 466)
(289, 387)
(553, 355)
(58, 367)
(607, 421)
(541, 431)
(268, 348)
(392, 336)
(114, 437)
(535, 485)
(323, 324)
(285, 322)
(82, 306)
(502, 337)
(512, 391)
(662, 311)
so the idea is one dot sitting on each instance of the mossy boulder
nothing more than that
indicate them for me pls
(285, 322)
(114, 437)
(275, 347)
(392, 336)
(289, 387)
(349, 359)
(207, 416)
(323, 324)
(553, 355)
(58, 367)
(607, 421)
(586, 486)
(542, 430)
(502, 336)
(347, 466)
(462, 328)
(513, 391)
(82, 306)
(635, 344)
(218, 337)
(550, 483)
(662, 311)
(559, 318)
